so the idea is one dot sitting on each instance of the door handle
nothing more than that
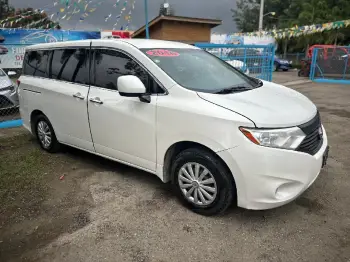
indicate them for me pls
(96, 100)
(79, 96)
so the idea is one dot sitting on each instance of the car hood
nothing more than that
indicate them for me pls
(282, 61)
(5, 81)
(268, 106)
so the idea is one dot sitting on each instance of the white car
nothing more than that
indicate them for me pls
(235, 63)
(239, 65)
(171, 109)
(8, 93)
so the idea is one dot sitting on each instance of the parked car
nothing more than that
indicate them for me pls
(235, 63)
(171, 109)
(8, 91)
(280, 63)
(239, 65)
(3, 50)
(250, 56)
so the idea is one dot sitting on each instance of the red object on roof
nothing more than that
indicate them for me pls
(121, 34)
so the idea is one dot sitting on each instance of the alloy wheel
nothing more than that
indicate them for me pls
(44, 134)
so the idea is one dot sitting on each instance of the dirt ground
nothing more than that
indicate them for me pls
(105, 211)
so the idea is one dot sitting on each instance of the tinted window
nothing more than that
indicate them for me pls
(70, 65)
(110, 64)
(35, 63)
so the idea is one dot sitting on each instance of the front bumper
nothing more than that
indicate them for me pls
(268, 177)
(285, 66)
(8, 100)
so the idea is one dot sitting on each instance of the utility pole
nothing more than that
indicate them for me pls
(261, 16)
(146, 18)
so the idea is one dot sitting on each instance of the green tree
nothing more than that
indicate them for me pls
(5, 9)
(290, 13)
(246, 14)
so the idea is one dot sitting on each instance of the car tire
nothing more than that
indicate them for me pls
(285, 70)
(45, 134)
(210, 194)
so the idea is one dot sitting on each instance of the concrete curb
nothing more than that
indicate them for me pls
(297, 82)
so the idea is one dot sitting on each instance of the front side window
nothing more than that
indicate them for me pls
(71, 65)
(198, 70)
(111, 64)
(35, 63)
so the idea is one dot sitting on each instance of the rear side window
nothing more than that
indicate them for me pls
(110, 64)
(35, 63)
(71, 65)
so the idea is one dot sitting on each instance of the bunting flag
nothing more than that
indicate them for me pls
(299, 30)
(60, 10)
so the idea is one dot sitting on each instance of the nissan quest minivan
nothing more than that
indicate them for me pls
(174, 110)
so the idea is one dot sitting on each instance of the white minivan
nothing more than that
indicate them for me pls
(174, 110)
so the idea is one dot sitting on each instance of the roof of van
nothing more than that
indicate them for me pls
(138, 43)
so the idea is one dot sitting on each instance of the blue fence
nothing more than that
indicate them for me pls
(254, 60)
(331, 65)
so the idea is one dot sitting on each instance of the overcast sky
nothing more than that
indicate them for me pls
(218, 9)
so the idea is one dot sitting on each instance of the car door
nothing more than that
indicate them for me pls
(123, 128)
(66, 95)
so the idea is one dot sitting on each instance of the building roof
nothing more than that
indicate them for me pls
(211, 22)
(138, 43)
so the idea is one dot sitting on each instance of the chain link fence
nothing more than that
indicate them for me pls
(11, 59)
(331, 65)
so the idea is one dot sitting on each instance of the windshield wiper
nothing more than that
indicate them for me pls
(233, 89)
(260, 83)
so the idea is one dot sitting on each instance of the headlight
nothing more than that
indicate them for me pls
(287, 138)
(291, 62)
(9, 88)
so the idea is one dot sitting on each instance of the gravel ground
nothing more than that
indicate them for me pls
(105, 211)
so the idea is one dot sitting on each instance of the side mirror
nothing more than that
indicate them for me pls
(131, 86)
(11, 73)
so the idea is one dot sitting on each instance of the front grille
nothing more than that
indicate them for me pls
(313, 140)
(5, 102)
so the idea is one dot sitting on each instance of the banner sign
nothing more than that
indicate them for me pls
(14, 41)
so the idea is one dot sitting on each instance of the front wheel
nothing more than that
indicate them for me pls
(202, 182)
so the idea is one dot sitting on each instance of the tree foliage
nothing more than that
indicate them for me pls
(24, 18)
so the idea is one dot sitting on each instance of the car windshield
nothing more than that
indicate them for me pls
(198, 70)
(2, 73)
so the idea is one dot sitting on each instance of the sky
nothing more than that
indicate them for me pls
(217, 9)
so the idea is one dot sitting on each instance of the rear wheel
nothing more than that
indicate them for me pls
(45, 134)
(202, 182)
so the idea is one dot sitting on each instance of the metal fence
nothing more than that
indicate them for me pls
(11, 59)
(331, 65)
(254, 60)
